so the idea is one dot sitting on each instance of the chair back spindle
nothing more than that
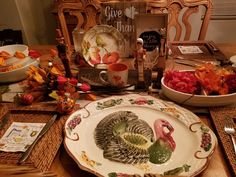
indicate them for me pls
(181, 13)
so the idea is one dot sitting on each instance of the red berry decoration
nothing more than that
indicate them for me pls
(61, 80)
(112, 57)
(85, 87)
(34, 54)
(26, 98)
(73, 81)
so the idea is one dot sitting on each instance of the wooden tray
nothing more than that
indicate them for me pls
(209, 54)
(218, 118)
(46, 149)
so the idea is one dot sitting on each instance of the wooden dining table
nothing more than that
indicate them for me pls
(64, 166)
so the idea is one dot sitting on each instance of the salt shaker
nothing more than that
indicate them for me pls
(77, 38)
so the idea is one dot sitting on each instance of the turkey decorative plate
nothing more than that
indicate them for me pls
(102, 44)
(138, 135)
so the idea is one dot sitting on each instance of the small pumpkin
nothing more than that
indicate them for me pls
(26, 98)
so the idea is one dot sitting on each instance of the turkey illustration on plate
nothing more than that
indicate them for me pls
(138, 135)
(125, 138)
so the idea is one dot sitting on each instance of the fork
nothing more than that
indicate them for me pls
(229, 129)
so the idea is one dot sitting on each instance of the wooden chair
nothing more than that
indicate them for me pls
(180, 12)
(87, 15)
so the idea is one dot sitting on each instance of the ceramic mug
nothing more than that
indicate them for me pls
(115, 75)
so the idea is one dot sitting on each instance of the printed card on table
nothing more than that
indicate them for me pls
(190, 49)
(19, 136)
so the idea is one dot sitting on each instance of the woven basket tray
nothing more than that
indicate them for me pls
(46, 149)
(218, 115)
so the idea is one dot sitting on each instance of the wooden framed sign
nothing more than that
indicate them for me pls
(121, 15)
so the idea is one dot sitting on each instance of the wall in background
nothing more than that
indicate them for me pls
(9, 16)
(34, 18)
(37, 21)
(222, 30)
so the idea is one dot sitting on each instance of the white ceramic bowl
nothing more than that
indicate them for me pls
(197, 100)
(11, 49)
(233, 59)
(19, 73)
(15, 47)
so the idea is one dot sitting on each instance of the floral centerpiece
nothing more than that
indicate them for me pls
(50, 82)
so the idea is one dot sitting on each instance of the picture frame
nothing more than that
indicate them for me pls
(152, 28)
(121, 15)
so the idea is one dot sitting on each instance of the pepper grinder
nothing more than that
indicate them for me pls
(62, 53)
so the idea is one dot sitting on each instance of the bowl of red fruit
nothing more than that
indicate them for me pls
(206, 86)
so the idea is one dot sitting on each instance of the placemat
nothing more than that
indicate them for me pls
(46, 149)
(218, 117)
(209, 54)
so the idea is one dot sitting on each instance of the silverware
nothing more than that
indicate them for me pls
(182, 59)
(186, 63)
(213, 47)
(229, 129)
(43, 131)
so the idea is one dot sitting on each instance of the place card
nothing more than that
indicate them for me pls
(19, 136)
(190, 49)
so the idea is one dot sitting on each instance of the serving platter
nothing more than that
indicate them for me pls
(102, 44)
(179, 133)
